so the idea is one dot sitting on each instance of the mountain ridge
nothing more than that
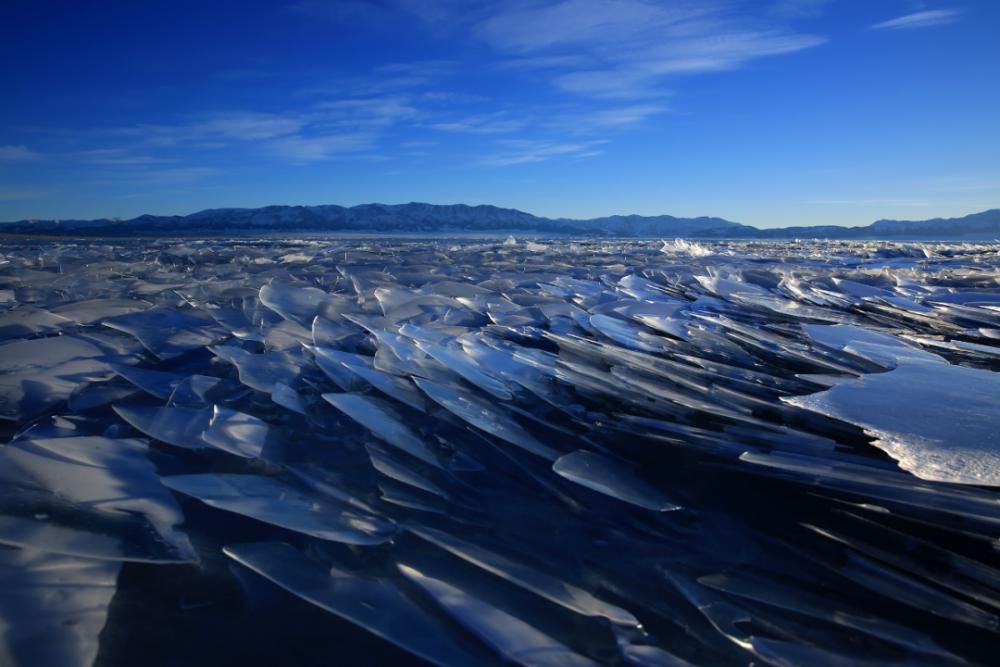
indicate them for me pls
(418, 217)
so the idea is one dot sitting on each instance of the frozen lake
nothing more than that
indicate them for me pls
(483, 451)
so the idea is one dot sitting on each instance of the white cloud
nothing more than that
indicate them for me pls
(301, 149)
(492, 123)
(924, 19)
(246, 126)
(216, 129)
(624, 116)
(799, 8)
(627, 48)
(519, 151)
(118, 157)
(18, 154)
(364, 112)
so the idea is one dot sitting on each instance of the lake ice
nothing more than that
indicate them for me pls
(462, 451)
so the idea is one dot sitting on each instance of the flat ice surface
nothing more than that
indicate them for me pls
(940, 422)
(467, 451)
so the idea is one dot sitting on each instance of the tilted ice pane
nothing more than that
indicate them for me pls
(92, 311)
(90, 496)
(237, 433)
(169, 333)
(512, 638)
(539, 582)
(612, 478)
(401, 389)
(28, 321)
(300, 304)
(272, 501)
(39, 373)
(483, 415)
(52, 607)
(461, 363)
(377, 416)
(155, 383)
(178, 426)
(376, 605)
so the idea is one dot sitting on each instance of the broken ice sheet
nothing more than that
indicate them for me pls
(461, 363)
(272, 501)
(376, 605)
(612, 478)
(178, 426)
(91, 311)
(262, 371)
(401, 389)
(537, 581)
(881, 348)
(509, 636)
(727, 347)
(377, 416)
(237, 433)
(199, 391)
(297, 303)
(159, 384)
(167, 332)
(28, 321)
(939, 421)
(89, 496)
(392, 467)
(52, 607)
(39, 373)
(792, 597)
(483, 415)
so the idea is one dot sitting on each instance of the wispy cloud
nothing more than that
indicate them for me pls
(18, 154)
(624, 116)
(518, 151)
(322, 131)
(301, 149)
(23, 192)
(371, 112)
(118, 157)
(924, 19)
(799, 8)
(246, 126)
(491, 123)
(390, 78)
(629, 48)
(605, 63)
(608, 61)
(216, 129)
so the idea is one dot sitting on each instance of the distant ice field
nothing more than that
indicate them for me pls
(465, 451)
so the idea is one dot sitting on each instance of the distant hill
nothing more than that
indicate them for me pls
(977, 226)
(433, 218)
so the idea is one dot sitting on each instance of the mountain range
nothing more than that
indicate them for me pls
(460, 218)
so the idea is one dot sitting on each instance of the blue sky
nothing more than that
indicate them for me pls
(769, 113)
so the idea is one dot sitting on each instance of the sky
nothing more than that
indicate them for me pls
(765, 112)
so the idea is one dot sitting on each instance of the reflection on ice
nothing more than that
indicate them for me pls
(940, 422)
